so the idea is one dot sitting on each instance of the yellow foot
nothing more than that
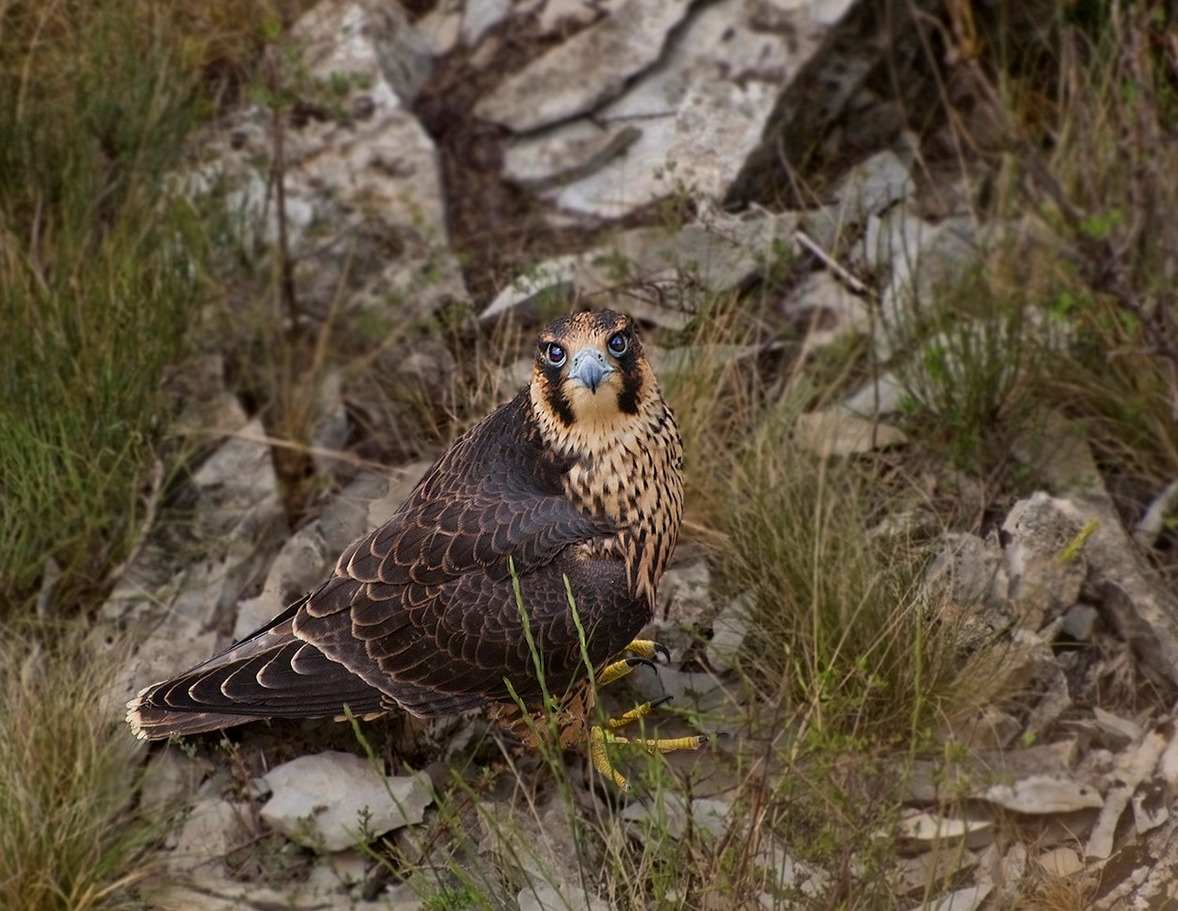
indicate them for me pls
(644, 654)
(599, 754)
(648, 649)
(639, 711)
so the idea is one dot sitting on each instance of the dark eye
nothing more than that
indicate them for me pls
(618, 344)
(555, 354)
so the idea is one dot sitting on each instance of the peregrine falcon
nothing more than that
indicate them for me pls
(575, 487)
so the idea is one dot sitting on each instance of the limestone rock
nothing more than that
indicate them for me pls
(873, 185)
(827, 312)
(538, 851)
(730, 628)
(672, 814)
(333, 800)
(684, 127)
(1060, 862)
(875, 398)
(1042, 794)
(212, 830)
(719, 255)
(591, 67)
(545, 896)
(966, 899)
(1046, 576)
(364, 209)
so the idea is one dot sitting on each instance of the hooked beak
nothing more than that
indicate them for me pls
(589, 368)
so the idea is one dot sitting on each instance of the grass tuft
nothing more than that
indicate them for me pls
(98, 280)
(70, 836)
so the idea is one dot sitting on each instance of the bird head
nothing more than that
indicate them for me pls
(591, 377)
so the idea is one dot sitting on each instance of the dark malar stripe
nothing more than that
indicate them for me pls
(631, 387)
(558, 403)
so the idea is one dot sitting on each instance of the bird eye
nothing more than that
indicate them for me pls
(555, 354)
(618, 344)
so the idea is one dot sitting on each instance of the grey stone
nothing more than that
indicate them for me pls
(329, 427)
(1045, 574)
(966, 899)
(441, 27)
(671, 813)
(1042, 794)
(568, 153)
(591, 67)
(829, 311)
(1058, 450)
(212, 830)
(789, 873)
(339, 871)
(536, 849)
(544, 896)
(333, 800)
(401, 484)
(569, 13)
(873, 185)
(700, 112)
(1141, 874)
(364, 208)
(729, 630)
(989, 729)
(829, 12)
(922, 827)
(969, 570)
(685, 595)
(1133, 766)
(1139, 605)
(1150, 805)
(481, 15)
(1060, 862)
(719, 255)
(875, 398)
(1079, 622)
(923, 259)
(1150, 526)
(169, 781)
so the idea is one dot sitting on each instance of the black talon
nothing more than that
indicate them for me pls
(662, 700)
(646, 662)
(661, 649)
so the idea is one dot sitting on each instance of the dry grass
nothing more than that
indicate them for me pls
(70, 837)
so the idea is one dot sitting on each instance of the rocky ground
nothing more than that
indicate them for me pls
(514, 154)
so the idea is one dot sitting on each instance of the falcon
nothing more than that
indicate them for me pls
(523, 564)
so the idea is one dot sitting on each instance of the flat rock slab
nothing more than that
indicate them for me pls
(1044, 794)
(684, 126)
(588, 69)
(333, 800)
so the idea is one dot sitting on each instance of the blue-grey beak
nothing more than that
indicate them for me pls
(589, 368)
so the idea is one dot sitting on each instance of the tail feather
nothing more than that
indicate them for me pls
(272, 674)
